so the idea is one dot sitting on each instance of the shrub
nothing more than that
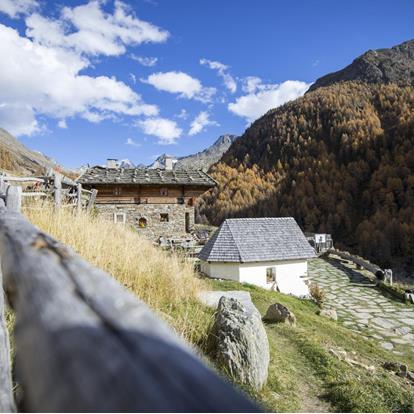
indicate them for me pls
(317, 294)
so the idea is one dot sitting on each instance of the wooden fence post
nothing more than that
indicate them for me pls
(91, 201)
(86, 344)
(6, 393)
(57, 184)
(79, 197)
(14, 198)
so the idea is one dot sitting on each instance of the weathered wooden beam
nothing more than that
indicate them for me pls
(92, 199)
(57, 186)
(79, 197)
(84, 343)
(34, 194)
(14, 198)
(24, 179)
(6, 393)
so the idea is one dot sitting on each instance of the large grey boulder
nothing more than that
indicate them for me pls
(238, 343)
(279, 313)
(211, 298)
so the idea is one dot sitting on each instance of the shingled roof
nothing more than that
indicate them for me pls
(256, 240)
(101, 175)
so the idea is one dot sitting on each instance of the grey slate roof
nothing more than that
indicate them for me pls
(256, 240)
(102, 175)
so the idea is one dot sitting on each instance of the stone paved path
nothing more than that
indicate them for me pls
(361, 307)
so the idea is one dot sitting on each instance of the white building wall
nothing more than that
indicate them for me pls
(229, 271)
(287, 272)
(255, 273)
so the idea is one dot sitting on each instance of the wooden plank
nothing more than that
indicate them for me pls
(79, 197)
(14, 198)
(6, 385)
(24, 179)
(92, 199)
(34, 194)
(68, 181)
(57, 184)
(84, 343)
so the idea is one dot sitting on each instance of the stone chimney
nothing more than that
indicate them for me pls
(111, 163)
(169, 162)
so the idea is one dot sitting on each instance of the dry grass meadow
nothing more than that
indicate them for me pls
(166, 282)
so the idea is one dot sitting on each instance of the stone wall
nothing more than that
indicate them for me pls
(155, 227)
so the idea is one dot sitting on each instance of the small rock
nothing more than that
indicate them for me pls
(403, 330)
(329, 313)
(410, 376)
(387, 345)
(238, 343)
(279, 313)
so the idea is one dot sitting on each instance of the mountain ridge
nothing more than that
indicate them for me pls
(386, 65)
(201, 160)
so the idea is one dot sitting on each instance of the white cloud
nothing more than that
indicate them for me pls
(89, 30)
(264, 97)
(200, 122)
(14, 8)
(44, 80)
(251, 84)
(132, 143)
(133, 78)
(145, 60)
(62, 124)
(182, 84)
(228, 80)
(183, 114)
(18, 119)
(166, 130)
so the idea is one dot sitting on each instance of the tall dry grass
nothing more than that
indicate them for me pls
(166, 282)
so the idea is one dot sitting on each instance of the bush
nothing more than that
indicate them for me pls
(317, 294)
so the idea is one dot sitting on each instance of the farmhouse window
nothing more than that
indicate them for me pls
(142, 223)
(117, 191)
(164, 218)
(164, 191)
(120, 218)
(270, 274)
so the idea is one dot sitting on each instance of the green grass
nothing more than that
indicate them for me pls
(305, 376)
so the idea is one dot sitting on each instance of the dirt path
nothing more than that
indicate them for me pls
(302, 391)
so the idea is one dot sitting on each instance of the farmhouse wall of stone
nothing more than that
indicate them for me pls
(153, 216)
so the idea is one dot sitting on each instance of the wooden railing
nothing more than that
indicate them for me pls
(84, 343)
(64, 191)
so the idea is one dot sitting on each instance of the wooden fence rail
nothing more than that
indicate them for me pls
(84, 343)
(57, 186)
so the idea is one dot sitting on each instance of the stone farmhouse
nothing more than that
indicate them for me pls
(156, 202)
(271, 253)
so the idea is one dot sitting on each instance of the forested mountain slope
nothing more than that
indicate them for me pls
(340, 160)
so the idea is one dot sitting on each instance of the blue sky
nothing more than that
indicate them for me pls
(82, 81)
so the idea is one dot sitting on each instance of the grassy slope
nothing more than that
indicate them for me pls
(165, 282)
(302, 376)
(305, 376)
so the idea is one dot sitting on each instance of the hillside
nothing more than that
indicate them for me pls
(304, 374)
(202, 160)
(340, 160)
(17, 158)
(393, 65)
